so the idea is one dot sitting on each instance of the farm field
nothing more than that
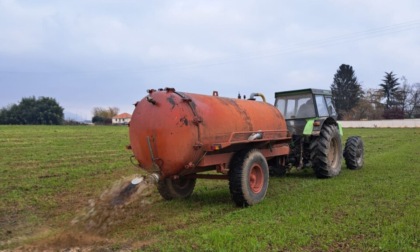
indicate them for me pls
(50, 174)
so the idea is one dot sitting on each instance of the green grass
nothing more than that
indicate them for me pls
(47, 174)
(45, 169)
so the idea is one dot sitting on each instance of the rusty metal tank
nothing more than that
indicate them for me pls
(170, 130)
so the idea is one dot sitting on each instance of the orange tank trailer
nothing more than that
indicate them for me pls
(179, 135)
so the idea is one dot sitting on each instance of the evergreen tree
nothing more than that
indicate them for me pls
(390, 87)
(346, 90)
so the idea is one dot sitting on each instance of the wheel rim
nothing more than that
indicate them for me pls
(332, 154)
(181, 183)
(359, 155)
(256, 178)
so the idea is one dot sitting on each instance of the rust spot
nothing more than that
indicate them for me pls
(171, 100)
(193, 106)
(197, 120)
(184, 120)
(242, 112)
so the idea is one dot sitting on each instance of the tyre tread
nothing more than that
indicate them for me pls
(319, 152)
(353, 143)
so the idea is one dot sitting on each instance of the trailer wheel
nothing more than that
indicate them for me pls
(354, 152)
(326, 152)
(176, 188)
(248, 178)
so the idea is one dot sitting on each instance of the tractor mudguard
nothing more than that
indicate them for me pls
(314, 125)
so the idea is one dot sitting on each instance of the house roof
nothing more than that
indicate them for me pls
(122, 116)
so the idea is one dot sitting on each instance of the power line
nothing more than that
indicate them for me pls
(291, 49)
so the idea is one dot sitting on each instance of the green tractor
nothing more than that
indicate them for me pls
(316, 135)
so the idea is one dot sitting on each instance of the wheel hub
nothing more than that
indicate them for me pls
(256, 179)
(332, 153)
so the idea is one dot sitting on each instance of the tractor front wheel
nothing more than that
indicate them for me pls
(326, 152)
(354, 153)
(248, 178)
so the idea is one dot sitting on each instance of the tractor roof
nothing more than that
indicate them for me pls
(304, 91)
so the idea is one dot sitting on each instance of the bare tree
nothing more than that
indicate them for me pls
(413, 101)
(362, 111)
(402, 94)
(407, 98)
(369, 106)
(374, 96)
(104, 115)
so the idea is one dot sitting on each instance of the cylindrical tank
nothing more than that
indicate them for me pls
(168, 128)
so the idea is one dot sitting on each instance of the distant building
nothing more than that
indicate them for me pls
(123, 118)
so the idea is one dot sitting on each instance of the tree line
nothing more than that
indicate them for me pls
(46, 110)
(31, 110)
(394, 98)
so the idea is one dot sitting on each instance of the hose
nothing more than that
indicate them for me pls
(253, 95)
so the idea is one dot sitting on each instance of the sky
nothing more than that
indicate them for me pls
(107, 53)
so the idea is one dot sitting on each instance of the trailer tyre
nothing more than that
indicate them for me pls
(326, 152)
(354, 153)
(176, 188)
(248, 178)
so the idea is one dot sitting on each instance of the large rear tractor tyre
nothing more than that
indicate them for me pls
(326, 152)
(176, 188)
(248, 178)
(354, 153)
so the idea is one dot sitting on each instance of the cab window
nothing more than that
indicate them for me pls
(296, 107)
(321, 106)
(330, 107)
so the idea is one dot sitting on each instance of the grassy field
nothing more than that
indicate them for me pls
(48, 174)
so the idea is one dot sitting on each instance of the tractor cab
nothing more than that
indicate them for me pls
(300, 107)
